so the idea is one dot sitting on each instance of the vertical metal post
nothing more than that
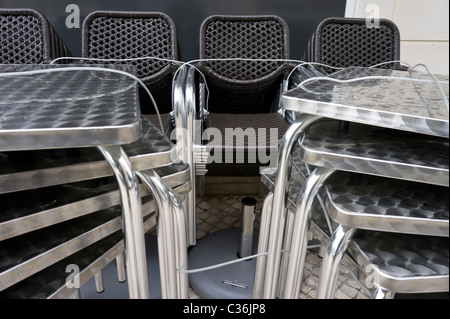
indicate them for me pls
(99, 282)
(248, 219)
(120, 264)
(263, 242)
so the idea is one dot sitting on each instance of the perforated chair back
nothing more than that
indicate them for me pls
(27, 37)
(244, 86)
(344, 42)
(130, 35)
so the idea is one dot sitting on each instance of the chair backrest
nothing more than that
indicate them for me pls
(244, 86)
(27, 37)
(344, 42)
(129, 35)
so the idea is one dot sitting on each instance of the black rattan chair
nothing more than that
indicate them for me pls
(27, 37)
(243, 94)
(130, 35)
(344, 42)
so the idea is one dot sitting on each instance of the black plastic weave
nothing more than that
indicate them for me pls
(28, 38)
(241, 85)
(129, 35)
(344, 42)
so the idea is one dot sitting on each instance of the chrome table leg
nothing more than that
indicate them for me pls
(299, 241)
(99, 282)
(266, 213)
(331, 260)
(132, 220)
(285, 148)
(172, 237)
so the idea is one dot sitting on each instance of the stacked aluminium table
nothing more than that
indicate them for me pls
(82, 176)
(365, 169)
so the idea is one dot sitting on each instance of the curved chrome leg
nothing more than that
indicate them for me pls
(299, 242)
(285, 255)
(331, 261)
(181, 249)
(381, 293)
(285, 148)
(132, 220)
(266, 213)
(184, 100)
(172, 243)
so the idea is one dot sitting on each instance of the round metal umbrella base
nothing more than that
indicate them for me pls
(234, 281)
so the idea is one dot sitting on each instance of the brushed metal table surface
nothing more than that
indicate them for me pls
(92, 219)
(399, 260)
(67, 106)
(377, 151)
(22, 170)
(399, 104)
(26, 211)
(71, 108)
(395, 103)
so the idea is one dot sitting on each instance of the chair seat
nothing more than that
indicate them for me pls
(240, 133)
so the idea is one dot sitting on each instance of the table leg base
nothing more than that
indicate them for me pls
(233, 281)
(114, 289)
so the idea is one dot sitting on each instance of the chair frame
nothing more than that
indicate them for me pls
(193, 116)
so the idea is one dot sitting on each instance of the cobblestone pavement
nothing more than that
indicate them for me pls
(222, 212)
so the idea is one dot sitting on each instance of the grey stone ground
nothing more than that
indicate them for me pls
(222, 212)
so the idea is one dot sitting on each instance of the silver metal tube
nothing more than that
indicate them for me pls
(181, 249)
(98, 278)
(266, 214)
(132, 219)
(190, 156)
(167, 245)
(248, 219)
(381, 293)
(299, 241)
(76, 294)
(285, 255)
(331, 260)
(120, 265)
(285, 148)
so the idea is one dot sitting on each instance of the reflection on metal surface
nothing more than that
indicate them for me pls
(388, 103)
(89, 108)
(41, 168)
(377, 151)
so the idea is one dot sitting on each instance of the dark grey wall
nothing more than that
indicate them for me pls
(302, 16)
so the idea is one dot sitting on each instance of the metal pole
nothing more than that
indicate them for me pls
(248, 219)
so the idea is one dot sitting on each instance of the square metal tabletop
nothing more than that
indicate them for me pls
(60, 106)
(393, 99)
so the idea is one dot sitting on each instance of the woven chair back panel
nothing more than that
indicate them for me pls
(345, 45)
(123, 38)
(250, 40)
(22, 40)
(242, 100)
(161, 91)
